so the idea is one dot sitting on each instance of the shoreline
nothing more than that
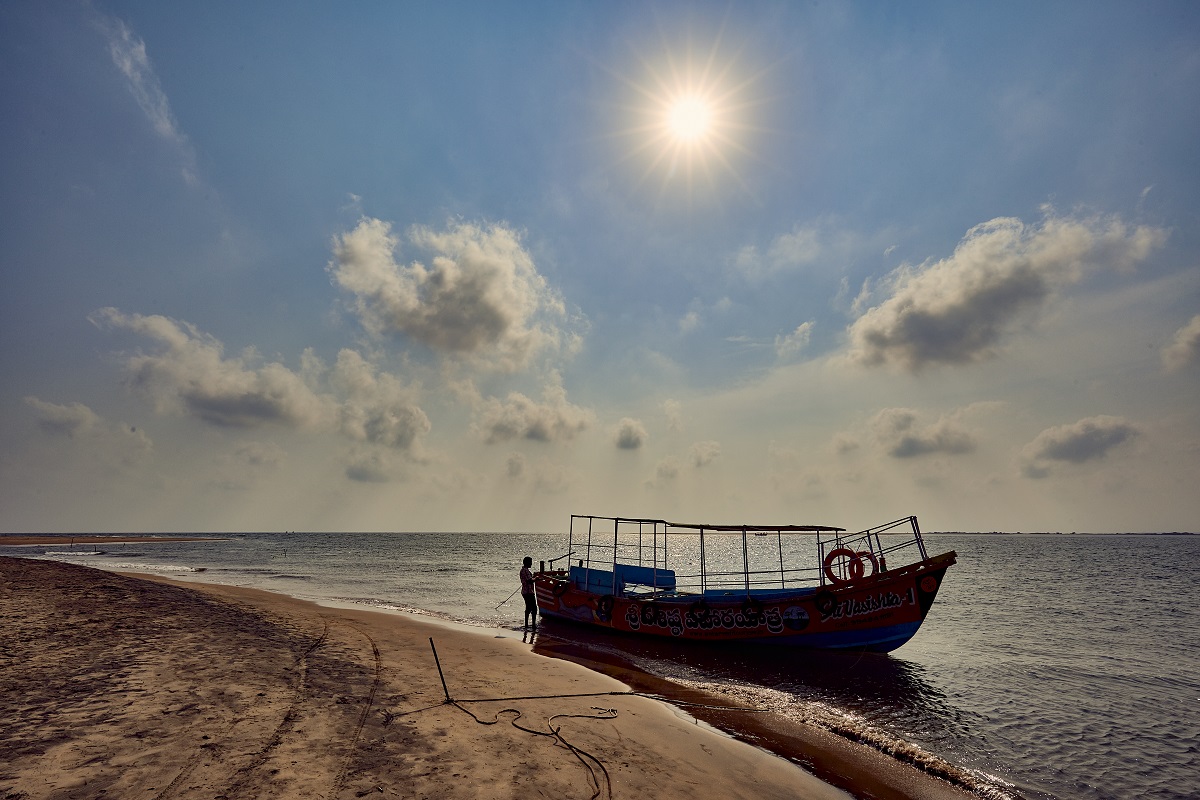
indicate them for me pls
(647, 736)
(36, 540)
(851, 765)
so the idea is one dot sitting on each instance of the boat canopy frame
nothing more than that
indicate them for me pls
(628, 556)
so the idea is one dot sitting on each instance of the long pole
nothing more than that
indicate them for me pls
(438, 661)
(510, 597)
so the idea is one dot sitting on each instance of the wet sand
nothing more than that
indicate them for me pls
(118, 686)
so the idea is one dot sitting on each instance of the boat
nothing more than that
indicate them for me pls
(805, 586)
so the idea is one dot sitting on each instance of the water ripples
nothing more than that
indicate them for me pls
(1049, 667)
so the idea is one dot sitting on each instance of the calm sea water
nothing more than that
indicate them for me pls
(1049, 667)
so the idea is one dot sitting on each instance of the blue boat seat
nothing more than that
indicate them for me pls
(600, 581)
(649, 577)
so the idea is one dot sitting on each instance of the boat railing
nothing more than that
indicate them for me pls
(903, 534)
(737, 581)
(632, 555)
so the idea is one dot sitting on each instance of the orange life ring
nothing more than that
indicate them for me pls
(834, 555)
(855, 565)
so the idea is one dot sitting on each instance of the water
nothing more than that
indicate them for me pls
(1049, 667)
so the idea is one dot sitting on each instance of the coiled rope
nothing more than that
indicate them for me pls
(590, 761)
(584, 757)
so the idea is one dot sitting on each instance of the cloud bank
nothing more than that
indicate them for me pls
(704, 453)
(85, 428)
(479, 297)
(377, 408)
(630, 434)
(957, 310)
(554, 419)
(899, 434)
(1088, 439)
(189, 374)
(793, 343)
(1184, 350)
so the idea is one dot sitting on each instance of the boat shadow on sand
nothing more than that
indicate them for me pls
(872, 699)
(881, 688)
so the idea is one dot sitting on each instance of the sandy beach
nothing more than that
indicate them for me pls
(117, 686)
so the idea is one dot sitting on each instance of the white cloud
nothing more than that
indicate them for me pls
(479, 298)
(800, 247)
(825, 241)
(377, 408)
(843, 444)
(518, 417)
(957, 310)
(66, 420)
(629, 434)
(368, 466)
(1184, 349)
(673, 410)
(192, 375)
(129, 55)
(665, 473)
(1088, 439)
(898, 432)
(862, 299)
(792, 344)
(704, 453)
(85, 428)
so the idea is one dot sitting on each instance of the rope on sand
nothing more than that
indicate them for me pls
(584, 757)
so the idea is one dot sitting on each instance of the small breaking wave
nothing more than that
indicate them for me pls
(153, 568)
(854, 728)
(375, 604)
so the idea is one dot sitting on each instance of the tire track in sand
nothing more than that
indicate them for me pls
(340, 779)
(298, 697)
(243, 774)
(207, 763)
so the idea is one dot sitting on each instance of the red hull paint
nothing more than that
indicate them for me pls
(877, 612)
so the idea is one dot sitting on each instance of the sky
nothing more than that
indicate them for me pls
(480, 266)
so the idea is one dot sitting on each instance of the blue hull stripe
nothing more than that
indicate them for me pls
(880, 640)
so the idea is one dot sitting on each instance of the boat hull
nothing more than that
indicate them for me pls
(878, 613)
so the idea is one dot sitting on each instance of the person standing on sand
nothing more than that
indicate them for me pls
(527, 592)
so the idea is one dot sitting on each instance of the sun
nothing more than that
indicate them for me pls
(689, 118)
(686, 120)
